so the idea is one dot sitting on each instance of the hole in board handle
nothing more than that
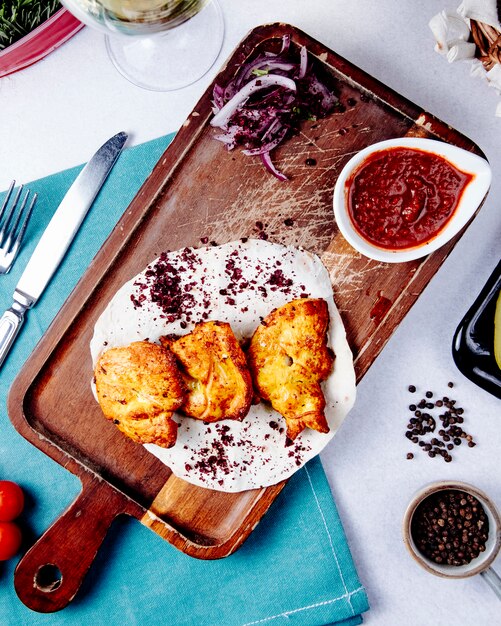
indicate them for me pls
(48, 578)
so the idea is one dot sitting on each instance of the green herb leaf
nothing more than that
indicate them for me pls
(257, 72)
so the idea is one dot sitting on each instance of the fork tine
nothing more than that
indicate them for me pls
(13, 228)
(8, 216)
(22, 229)
(7, 198)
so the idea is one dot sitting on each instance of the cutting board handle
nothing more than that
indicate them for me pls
(50, 573)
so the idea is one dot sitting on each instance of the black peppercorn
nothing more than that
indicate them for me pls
(465, 539)
(423, 423)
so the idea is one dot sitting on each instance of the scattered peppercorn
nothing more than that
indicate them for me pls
(450, 527)
(410, 455)
(423, 423)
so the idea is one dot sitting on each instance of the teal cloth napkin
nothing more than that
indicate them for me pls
(296, 567)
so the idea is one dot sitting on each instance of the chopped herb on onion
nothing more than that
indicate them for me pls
(266, 101)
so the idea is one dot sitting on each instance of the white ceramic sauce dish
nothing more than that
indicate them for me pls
(471, 198)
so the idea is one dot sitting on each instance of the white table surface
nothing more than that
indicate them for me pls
(54, 115)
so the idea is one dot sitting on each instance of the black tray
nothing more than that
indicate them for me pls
(473, 344)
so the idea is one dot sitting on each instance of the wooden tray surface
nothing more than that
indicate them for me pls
(197, 190)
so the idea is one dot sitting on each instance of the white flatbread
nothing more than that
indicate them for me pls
(239, 283)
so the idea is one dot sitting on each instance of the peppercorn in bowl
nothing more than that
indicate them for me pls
(452, 529)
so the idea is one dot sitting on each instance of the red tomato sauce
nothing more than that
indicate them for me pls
(403, 197)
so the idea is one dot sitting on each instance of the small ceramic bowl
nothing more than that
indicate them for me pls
(470, 200)
(479, 565)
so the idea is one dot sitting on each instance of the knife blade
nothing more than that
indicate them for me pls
(57, 237)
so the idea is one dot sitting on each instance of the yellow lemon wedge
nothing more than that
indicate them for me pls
(497, 331)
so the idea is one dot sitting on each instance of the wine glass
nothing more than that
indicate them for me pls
(140, 42)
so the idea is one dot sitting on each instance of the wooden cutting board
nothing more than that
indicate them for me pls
(199, 190)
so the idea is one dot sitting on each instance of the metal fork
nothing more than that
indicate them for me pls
(13, 225)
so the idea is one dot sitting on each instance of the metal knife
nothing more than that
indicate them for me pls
(57, 238)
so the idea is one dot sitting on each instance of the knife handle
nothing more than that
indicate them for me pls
(10, 323)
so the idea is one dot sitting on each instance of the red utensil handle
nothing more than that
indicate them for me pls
(51, 572)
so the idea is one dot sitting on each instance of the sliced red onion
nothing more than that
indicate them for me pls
(262, 82)
(303, 66)
(268, 147)
(315, 87)
(230, 91)
(271, 66)
(286, 42)
(275, 125)
(278, 104)
(226, 139)
(218, 97)
(267, 162)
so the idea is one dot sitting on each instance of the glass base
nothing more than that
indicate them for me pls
(174, 59)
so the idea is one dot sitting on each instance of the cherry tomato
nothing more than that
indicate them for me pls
(10, 540)
(11, 500)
